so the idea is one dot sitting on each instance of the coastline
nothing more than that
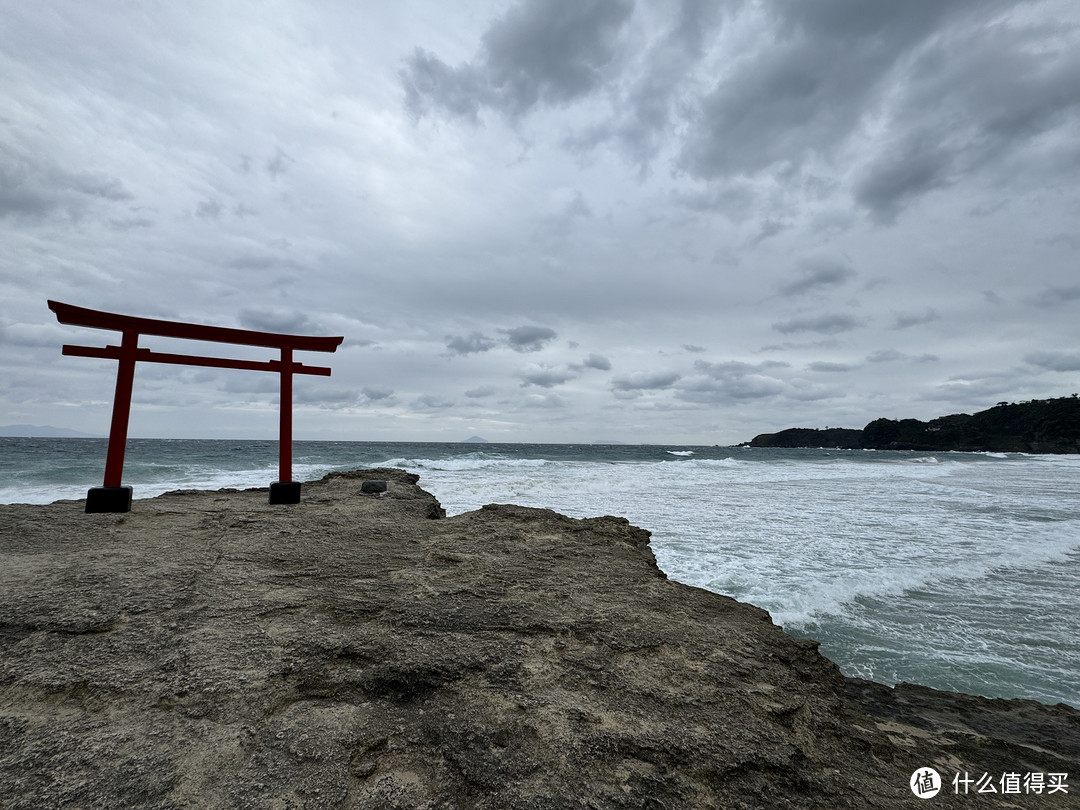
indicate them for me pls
(209, 650)
(1050, 426)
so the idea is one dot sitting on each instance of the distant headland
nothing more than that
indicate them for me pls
(1037, 426)
(42, 432)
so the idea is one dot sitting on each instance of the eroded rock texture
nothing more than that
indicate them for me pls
(363, 651)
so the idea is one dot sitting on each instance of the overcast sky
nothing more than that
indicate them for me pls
(653, 221)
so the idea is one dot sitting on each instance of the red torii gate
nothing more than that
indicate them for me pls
(113, 497)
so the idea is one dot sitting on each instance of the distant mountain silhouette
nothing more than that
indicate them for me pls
(43, 431)
(1038, 426)
(475, 440)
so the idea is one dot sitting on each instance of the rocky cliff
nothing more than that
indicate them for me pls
(1039, 426)
(357, 650)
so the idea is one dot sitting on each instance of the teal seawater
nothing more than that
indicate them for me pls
(956, 570)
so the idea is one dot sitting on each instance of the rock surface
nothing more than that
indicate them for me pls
(208, 650)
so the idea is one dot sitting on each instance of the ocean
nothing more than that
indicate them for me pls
(959, 571)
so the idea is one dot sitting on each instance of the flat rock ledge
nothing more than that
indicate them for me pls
(357, 650)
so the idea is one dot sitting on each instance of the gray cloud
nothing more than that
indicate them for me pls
(130, 223)
(803, 181)
(830, 324)
(645, 381)
(972, 100)
(1055, 361)
(431, 402)
(520, 339)
(209, 209)
(733, 199)
(970, 389)
(433, 86)
(552, 52)
(958, 103)
(1056, 296)
(27, 335)
(536, 53)
(593, 361)
(892, 356)
(905, 320)
(17, 199)
(644, 108)
(262, 261)
(545, 376)
(825, 366)
(33, 189)
(250, 384)
(377, 393)
(769, 229)
(563, 221)
(473, 343)
(817, 274)
(806, 93)
(288, 321)
(718, 392)
(893, 179)
(731, 381)
(326, 397)
(885, 356)
(736, 368)
(528, 338)
(545, 401)
(93, 185)
(826, 73)
(278, 163)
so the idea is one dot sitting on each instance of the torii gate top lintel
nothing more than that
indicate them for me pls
(81, 316)
(115, 498)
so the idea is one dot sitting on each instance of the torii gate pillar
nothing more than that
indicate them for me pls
(113, 497)
(285, 490)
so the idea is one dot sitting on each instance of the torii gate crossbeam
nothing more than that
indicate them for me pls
(113, 496)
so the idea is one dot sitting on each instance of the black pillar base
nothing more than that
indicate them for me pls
(108, 499)
(285, 492)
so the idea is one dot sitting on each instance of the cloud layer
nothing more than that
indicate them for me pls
(546, 221)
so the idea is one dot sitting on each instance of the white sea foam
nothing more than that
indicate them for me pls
(28, 493)
(812, 540)
(466, 463)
